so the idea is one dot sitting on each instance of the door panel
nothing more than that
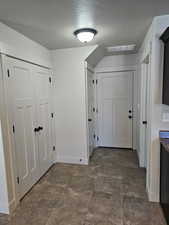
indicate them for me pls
(44, 118)
(24, 122)
(44, 136)
(114, 102)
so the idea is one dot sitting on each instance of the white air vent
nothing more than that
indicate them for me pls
(121, 48)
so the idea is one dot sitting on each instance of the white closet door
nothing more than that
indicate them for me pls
(115, 101)
(43, 87)
(24, 121)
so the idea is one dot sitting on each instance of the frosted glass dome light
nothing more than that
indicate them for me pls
(85, 35)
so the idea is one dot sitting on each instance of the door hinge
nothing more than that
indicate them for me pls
(97, 138)
(54, 148)
(18, 181)
(96, 81)
(13, 128)
(50, 79)
(93, 81)
(8, 72)
(94, 109)
(52, 115)
(94, 136)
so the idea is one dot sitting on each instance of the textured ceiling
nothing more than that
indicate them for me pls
(52, 22)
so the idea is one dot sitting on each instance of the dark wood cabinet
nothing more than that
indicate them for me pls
(164, 181)
(165, 39)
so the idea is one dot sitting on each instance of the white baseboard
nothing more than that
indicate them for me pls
(152, 197)
(141, 161)
(8, 208)
(4, 208)
(12, 206)
(72, 160)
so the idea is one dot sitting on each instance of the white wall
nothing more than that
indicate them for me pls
(157, 110)
(123, 63)
(15, 44)
(70, 102)
(117, 61)
(95, 57)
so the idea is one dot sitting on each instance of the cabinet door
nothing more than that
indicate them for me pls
(43, 87)
(24, 121)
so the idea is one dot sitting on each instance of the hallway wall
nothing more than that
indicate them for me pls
(70, 104)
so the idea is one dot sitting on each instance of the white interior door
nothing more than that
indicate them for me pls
(43, 87)
(91, 109)
(115, 107)
(24, 121)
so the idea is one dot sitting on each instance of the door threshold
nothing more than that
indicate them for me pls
(118, 148)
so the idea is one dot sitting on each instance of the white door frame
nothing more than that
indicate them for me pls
(91, 69)
(120, 69)
(4, 201)
(9, 139)
(144, 110)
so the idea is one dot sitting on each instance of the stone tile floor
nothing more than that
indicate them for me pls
(110, 191)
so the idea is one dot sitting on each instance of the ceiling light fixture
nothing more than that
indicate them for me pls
(85, 35)
(121, 48)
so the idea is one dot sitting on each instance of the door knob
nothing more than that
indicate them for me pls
(130, 111)
(40, 128)
(89, 120)
(144, 122)
(36, 129)
(130, 117)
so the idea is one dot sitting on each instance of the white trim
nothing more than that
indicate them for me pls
(72, 160)
(90, 68)
(10, 138)
(8, 208)
(86, 108)
(115, 69)
(152, 196)
(4, 207)
(12, 206)
(145, 93)
(4, 198)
